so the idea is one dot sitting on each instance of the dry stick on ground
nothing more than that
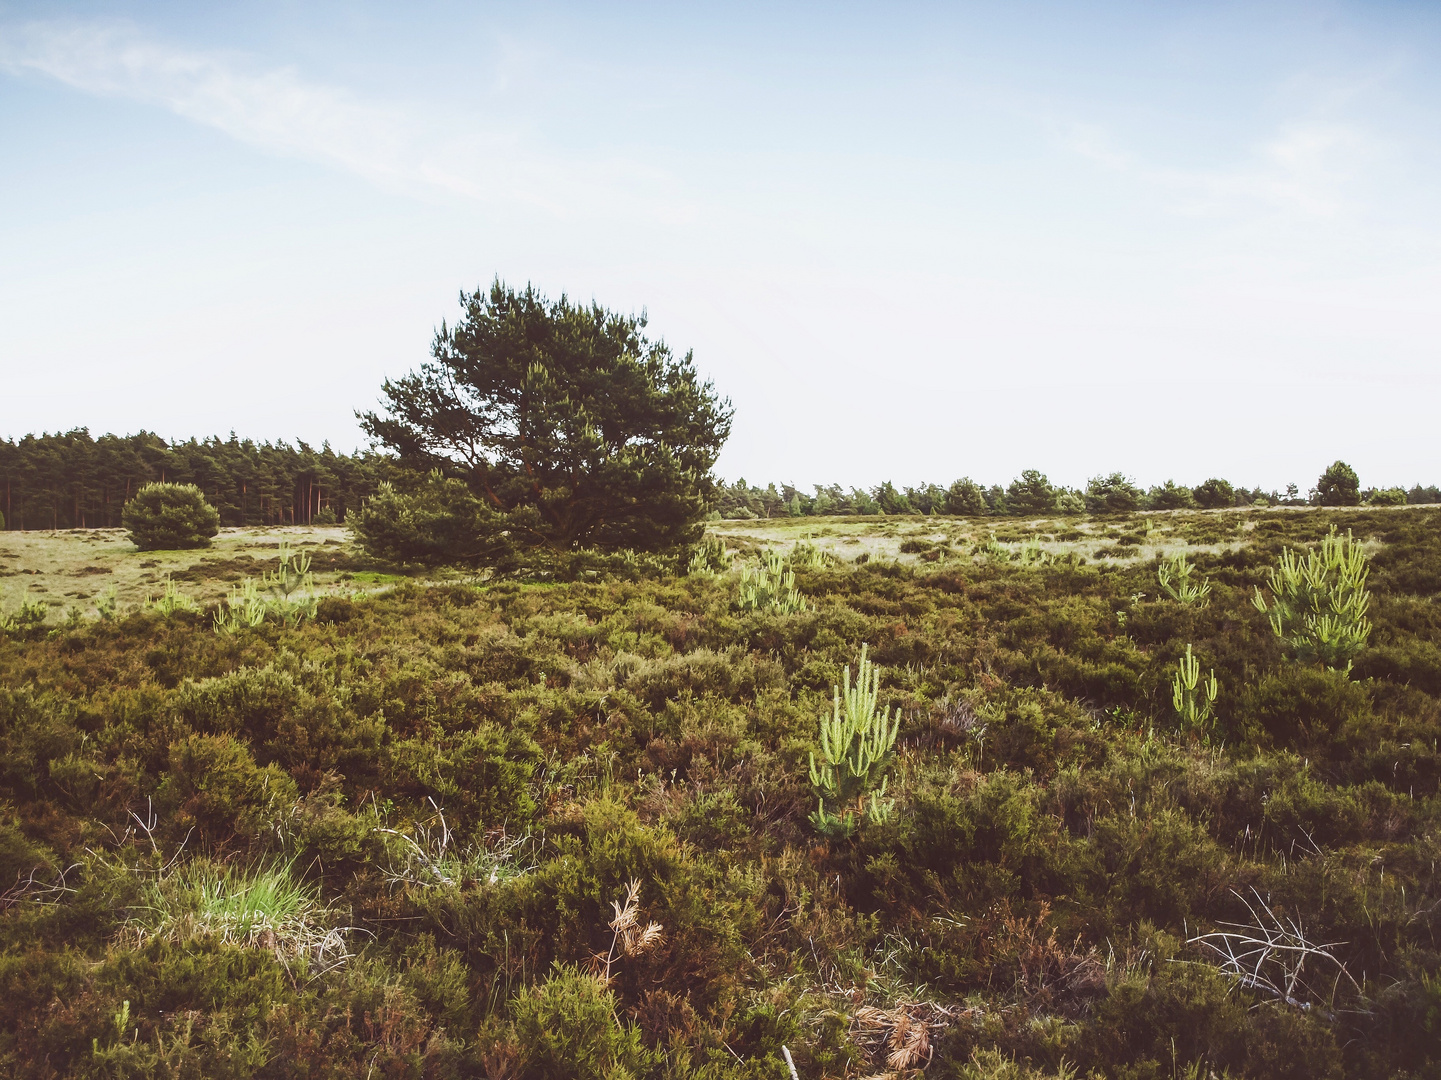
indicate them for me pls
(1270, 954)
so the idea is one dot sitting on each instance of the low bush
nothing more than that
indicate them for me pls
(437, 522)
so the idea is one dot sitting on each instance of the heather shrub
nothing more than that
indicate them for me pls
(567, 1029)
(471, 775)
(164, 517)
(1299, 706)
(214, 787)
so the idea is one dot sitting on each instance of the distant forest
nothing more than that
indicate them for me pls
(75, 481)
(1028, 496)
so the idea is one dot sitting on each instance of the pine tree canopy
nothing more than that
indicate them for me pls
(564, 418)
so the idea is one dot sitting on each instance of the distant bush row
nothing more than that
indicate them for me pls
(1032, 493)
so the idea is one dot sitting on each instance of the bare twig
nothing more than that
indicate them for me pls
(1270, 954)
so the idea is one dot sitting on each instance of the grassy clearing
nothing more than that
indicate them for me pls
(76, 568)
(1131, 539)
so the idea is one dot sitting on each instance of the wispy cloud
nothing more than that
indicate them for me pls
(280, 111)
(1302, 170)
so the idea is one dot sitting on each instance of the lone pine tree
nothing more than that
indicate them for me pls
(570, 424)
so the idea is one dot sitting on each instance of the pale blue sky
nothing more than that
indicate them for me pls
(909, 241)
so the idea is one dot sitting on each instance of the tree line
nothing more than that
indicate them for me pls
(1032, 493)
(72, 480)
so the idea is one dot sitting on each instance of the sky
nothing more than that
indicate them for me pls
(908, 241)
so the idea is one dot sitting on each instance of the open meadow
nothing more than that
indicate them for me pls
(399, 837)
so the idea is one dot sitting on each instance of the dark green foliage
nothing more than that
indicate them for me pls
(438, 521)
(891, 501)
(1339, 486)
(965, 498)
(1114, 494)
(1394, 496)
(1031, 494)
(566, 420)
(165, 517)
(1170, 496)
(1214, 494)
(1054, 842)
(74, 481)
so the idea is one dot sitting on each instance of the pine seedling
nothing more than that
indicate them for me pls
(31, 613)
(171, 600)
(808, 555)
(1030, 553)
(994, 550)
(770, 587)
(292, 575)
(107, 603)
(1175, 575)
(242, 607)
(1192, 697)
(709, 558)
(1319, 602)
(857, 747)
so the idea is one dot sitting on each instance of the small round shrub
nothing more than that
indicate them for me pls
(437, 522)
(167, 517)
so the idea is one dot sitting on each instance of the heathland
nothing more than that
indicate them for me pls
(448, 824)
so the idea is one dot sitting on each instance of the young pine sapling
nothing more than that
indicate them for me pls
(1318, 603)
(1192, 697)
(857, 747)
(1174, 574)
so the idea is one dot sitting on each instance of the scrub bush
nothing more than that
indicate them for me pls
(1339, 486)
(438, 522)
(166, 517)
(1394, 496)
(567, 1029)
(1215, 494)
(1113, 494)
